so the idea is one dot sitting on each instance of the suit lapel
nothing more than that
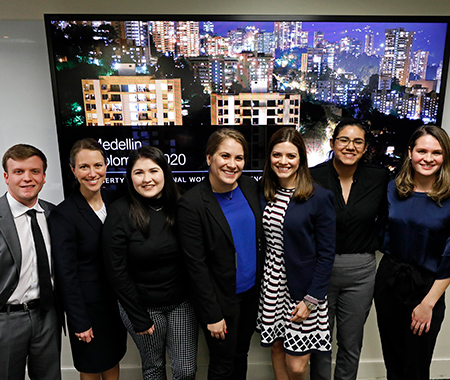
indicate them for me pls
(9, 232)
(48, 207)
(86, 211)
(213, 207)
(252, 198)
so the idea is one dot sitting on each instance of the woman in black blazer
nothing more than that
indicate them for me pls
(96, 332)
(219, 224)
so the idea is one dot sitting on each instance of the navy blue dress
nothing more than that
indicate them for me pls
(417, 252)
(418, 232)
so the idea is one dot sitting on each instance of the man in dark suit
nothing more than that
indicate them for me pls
(29, 327)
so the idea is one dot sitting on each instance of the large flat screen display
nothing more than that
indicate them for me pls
(170, 80)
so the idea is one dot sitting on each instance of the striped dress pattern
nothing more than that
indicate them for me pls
(276, 304)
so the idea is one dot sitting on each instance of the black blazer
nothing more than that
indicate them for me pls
(75, 232)
(209, 250)
(10, 250)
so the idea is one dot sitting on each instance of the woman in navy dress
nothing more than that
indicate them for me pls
(415, 270)
(300, 229)
(97, 335)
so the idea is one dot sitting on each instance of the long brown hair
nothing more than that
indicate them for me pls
(405, 178)
(304, 188)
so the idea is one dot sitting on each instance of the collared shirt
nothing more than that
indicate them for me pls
(28, 286)
(360, 220)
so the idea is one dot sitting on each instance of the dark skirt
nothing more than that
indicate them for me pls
(110, 339)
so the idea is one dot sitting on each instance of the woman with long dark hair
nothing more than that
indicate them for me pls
(299, 225)
(145, 266)
(415, 269)
(90, 305)
(360, 203)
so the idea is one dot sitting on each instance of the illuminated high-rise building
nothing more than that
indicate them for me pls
(319, 38)
(250, 39)
(319, 59)
(304, 65)
(216, 74)
(216, 45)
(419, 63)
(282, 33)
(255, 72)
(119, 27)
(439, 77)
(223, 73)
(303, 39)
(126, 53)
(429, 107)
(397, 55)
(137, 31)
(201, 66)
(289, 35)
(330, 51)
(188, 38)
(405, 104)
(265, 42)
(164, 36)
(439, 71)
(132, 100)
(236, 40)
(208, 27)
(369, 47)
(350, 45)
(343, 91)
(255, 109)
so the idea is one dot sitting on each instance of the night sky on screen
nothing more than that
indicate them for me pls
(427, 36)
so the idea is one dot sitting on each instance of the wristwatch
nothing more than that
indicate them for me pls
(311, 306)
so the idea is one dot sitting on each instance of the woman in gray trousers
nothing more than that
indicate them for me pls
(360, 204)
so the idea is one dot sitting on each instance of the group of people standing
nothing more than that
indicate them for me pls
(289, 257)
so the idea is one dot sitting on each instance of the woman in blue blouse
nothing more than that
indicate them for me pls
(220, 229)
(415, 270)
(300, 228)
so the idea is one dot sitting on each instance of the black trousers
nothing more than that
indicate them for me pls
(228, 358)
(406, 355)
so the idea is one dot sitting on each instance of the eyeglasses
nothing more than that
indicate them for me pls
(344, 141)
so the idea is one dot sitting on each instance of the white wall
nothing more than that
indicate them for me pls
(27, 115)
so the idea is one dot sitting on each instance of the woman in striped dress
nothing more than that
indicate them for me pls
(299, 224)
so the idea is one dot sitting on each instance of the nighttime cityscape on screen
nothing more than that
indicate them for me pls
(203, 73)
